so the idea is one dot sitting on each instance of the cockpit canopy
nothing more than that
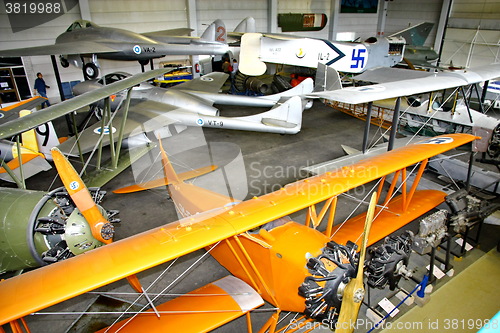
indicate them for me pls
(81, 24)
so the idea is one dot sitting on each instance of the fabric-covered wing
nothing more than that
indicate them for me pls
(20, 296)
(82, 47)
(211, 83)
(439, 81)
(143, 116)
(35, 119)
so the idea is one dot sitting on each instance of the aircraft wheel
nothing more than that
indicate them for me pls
(144, 62)
(90, 71)
(64, 62)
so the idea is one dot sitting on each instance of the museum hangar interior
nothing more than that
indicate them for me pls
(272, 159)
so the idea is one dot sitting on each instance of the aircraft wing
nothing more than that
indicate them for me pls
(101, 266)
(211, 83)
(33, 120)
(12, 111)
(81, 47)
(168, 33)
(144, 115)
(438, 81)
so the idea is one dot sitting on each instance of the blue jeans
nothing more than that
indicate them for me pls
(43, 94)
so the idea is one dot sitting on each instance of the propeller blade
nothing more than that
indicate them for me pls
(102, 230)
(355, 291)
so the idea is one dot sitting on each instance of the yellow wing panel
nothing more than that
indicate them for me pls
(21, 295)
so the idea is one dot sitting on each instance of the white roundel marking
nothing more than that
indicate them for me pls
(200, 122)
(438, 141)
(1, 115)
(137, 49)
(203, 78)
(106, 130)
(74, 185)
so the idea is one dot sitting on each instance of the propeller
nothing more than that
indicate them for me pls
(102, 229)
(355, 291)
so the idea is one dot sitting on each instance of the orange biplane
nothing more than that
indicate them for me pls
(293, 266)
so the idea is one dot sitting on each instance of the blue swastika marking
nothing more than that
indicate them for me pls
(358, 58)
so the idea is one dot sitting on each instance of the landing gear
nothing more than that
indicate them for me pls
(90, 71)
(64, 62)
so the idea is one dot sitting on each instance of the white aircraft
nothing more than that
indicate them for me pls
(351, 57)
(191, 104)
(432, 112)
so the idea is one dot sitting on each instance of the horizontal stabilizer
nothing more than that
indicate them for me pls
(250, 63)
(350, 150)
(201, 310)
(163, 181)
(278, 123)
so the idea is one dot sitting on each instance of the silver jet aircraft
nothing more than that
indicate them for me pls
(191, 104)
(87, 40)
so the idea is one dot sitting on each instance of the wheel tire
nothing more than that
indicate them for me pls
(90, 71)
(144, 62)
(64, 62)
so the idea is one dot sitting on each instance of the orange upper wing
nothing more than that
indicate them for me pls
(22, 295)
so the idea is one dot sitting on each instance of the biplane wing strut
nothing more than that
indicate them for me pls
(101, 266)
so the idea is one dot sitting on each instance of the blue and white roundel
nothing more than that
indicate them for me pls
(438, 141)
(137, 49)
(200, 122)
(74, 185)
(106, 130)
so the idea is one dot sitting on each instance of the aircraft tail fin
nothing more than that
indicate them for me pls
(245, 26)
(29, 137)
(417, 34)
(327, 79)
(216, 32)
(287, 114)
(168, 169)
(188, 198)
(40, 140)
(250, 63)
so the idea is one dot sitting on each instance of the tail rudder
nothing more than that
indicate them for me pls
(40, 140)
(245, 26)
(216, 32)
(327, 79)
(417, 34)
(189, 199)
(168, 170)
(29, 137)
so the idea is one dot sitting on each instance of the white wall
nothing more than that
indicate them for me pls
(473, 33)
(402, 14)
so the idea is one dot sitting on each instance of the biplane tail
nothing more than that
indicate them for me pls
(35, 147)
(189, 199)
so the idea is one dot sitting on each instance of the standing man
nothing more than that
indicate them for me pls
(41, 88)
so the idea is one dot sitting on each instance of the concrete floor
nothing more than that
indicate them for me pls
(270, 162)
